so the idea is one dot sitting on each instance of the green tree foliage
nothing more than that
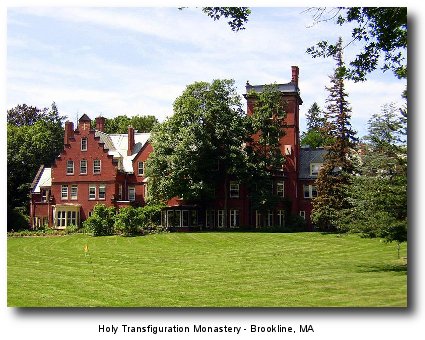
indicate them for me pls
(264, 149)
(101, 222)
(200, 144)
(34, 137)
(378, 193)
(120, 124)
(238, 16)
(315, 135)
(128, 221)
(380, 31)
(131, 221)
(335, 174)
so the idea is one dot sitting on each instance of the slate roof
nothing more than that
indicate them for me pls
(308, 156)
(84, 118)
(117, 146)
(43, 179)
(284, 88)
(288, 87)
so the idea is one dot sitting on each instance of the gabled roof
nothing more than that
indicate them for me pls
(117, 146)
(308, 156)
(84, 118)
(42, 180)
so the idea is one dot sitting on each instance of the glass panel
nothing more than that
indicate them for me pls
(185, 218)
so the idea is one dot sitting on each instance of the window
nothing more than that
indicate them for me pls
(66, 216)
(145, 190)
(74, 191)
(71, 218)
(315, 168)
(220, 218)
(269, 220)
(102, 191)
(64, 192)
(258, 219)
(120, 192)
(96, 166)
(310, 191)
(92, 192)
(69, 167)
(170, 218)
(61, 219)
(45, 195)
(281, 218)
(210, 219)
(84, 144)
(234, 189)
(302, 214)
(83, 167)
(140, 168)
(234, 218)
(185, 218)
(131, 193)
(288, 150)
(280, 188)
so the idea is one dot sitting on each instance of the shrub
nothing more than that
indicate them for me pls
(101, 222)
(129, 221)
(17, 219)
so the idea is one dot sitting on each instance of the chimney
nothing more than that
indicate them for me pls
(100, 123)
(295, 73)
(130, 140)
(69, 132)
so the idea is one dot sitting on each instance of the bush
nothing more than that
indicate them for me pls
(17, 219)
(129, 221)
(101, 222)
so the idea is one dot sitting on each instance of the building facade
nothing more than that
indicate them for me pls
(96, 167)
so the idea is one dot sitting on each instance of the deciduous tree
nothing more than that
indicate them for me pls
(200, 145)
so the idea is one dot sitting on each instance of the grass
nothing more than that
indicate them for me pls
(206, 269)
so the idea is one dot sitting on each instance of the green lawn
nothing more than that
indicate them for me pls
(206, 269)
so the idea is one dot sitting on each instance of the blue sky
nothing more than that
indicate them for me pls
(111, 61)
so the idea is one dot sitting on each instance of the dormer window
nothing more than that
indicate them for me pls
(315, 168)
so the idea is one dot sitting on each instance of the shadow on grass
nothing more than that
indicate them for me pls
(399, 268)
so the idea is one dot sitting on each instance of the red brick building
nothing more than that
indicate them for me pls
(96, 167)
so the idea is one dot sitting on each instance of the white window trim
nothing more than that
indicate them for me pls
(220, 218)
(104, 192)
(63, 197)
(142, 173)
(281, 218)
(69, 161)
(313, 165)
(74, 197)
(236, 188)
(83, 160)
(95, 167)
(92, 186)
(233, 218)
(280, 184)
(310, 190)
(132, 198)
(86, 142)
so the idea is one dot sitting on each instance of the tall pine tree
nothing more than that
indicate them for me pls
(338, 165)
(315, 136)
